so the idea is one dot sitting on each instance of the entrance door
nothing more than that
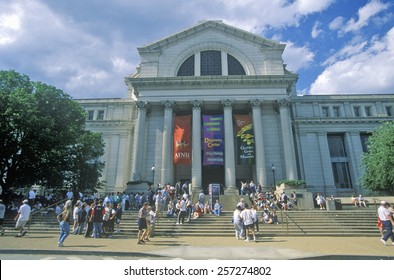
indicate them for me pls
(212, 174)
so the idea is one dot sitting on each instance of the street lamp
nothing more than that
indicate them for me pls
(273, 173)
(153, 175)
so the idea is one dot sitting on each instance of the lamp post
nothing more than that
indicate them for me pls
(273, 174)
(153, 175)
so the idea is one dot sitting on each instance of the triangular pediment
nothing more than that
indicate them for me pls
(216, 25)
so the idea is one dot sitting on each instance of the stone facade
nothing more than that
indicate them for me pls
(298, 135)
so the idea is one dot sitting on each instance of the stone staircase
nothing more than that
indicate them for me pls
(358, 222)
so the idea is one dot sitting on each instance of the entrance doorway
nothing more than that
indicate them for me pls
(212, 174)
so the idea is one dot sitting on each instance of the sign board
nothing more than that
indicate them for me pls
(214, 193)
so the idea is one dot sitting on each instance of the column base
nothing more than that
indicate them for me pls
(231, 190)
(196, 190)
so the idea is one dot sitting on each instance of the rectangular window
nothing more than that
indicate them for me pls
(90, 115)
(336, 111)
(339, 161)
(341, 175)
(364, 141)
(388, 111)
(367, 111)
(100, 115)
(356, 111)
(325, 111)
(211, 63)
(336, 146)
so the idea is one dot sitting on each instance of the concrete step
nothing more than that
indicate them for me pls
(349, 223)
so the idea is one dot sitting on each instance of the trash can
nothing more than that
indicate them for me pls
(330, 205)
(338, 204)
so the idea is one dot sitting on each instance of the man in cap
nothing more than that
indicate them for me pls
(387, 221)
(22, 218)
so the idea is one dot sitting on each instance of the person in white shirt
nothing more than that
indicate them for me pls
(238, 224)
(217, 209)
(201, 197)
(69, 195)
(388, 222)
(32, 197)
(247, 218)
(22, 218)
(182, 212)
(76, 218)
(150, 220)
(255, 216)
(361, 201)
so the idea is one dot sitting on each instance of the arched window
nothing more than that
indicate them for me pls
(234, 66)
(187, 68)
(211, 65)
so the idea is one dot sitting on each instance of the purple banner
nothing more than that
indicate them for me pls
(213, 133)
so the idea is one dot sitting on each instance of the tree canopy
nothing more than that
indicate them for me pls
(41, 128)
(379, 160)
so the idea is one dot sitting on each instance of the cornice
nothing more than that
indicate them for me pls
(211, 82)
(340, 120)
(109, 123)
(370, 98)
(219, 26)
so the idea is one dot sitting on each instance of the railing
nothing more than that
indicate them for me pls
(281, 218)
(287, 218)
(43, 211)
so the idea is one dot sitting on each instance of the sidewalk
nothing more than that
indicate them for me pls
(203, 248)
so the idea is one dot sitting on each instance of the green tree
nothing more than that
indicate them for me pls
(40, 125)
(85, 167)
(379, 160)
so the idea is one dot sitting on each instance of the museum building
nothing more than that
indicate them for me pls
(216, 104)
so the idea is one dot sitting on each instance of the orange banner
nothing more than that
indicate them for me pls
(182, 139)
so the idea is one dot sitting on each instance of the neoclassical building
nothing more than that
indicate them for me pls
(216, 104)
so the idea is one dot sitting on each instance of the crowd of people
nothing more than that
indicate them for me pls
(99, 216)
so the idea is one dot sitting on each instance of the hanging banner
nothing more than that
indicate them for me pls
(213, 133)
(245, 139)
(182, 136)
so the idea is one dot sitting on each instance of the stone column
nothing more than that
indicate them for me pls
(229, 155)
(287, 139)
(196, 148)
(259, 143)
(325, 159)
(139, 134)
(166, 160)
(355, 155)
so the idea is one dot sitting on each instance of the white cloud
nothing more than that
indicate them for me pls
(316, 30)
(297, 58)
(10, 23)
(365, 14)
(337, 23)
(57, 51)
(362, 69)
(311, 6)
(349, 50)
(256, 16)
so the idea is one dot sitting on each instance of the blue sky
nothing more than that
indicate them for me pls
(87, 47)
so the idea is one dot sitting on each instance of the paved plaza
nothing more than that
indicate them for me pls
(203, 248)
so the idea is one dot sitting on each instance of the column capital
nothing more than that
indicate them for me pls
(321, 133)
(283, 103)
(255, 103)
(196, 104)
(168, 105)
(227, 103)
(354, 133)
(142, 105)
